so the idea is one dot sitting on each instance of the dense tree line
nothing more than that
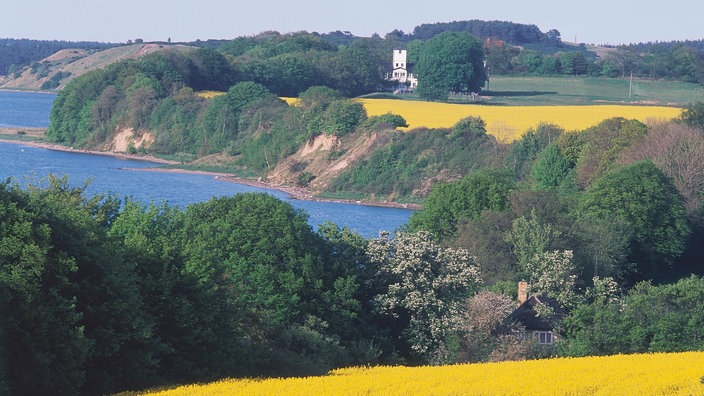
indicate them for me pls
(15, 53)
(159, 94)
(505, 60)
(288, 64)
(679, 61)
(608, 221)
(682, 61)
(99, 295)
(650, 47)
(523, 49)
(132, 94)
(513, 48)
(123, 295)
(622, 195)
(510, 32)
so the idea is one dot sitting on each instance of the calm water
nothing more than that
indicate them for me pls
(25, 109)
(109, 175)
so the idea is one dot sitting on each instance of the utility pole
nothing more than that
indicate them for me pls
(487, 74)
(630, 86)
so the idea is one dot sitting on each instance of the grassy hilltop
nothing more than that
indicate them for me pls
(56, 70)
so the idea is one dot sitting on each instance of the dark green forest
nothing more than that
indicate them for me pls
(159, 94)
(289, 63)
(102, 294)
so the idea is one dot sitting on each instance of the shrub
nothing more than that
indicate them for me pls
(342, 117)
(304, 178)
(388, 120)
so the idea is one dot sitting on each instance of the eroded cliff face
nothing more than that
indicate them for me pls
(325, 157)
(126, 140)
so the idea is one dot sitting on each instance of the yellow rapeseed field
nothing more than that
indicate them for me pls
(642, 375)
(508, 123)
(210, 94)
(290, 101)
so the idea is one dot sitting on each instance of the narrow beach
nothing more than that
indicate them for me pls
(294, 192)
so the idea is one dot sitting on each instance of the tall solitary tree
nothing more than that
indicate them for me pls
(450, 61)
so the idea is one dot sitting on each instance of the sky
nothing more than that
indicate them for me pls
(592, 21)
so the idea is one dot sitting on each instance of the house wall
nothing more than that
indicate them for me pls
(399, 59)
(535, 335)
(400, 74)
(400, 71)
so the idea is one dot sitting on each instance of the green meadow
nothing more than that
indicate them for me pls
(510, 90)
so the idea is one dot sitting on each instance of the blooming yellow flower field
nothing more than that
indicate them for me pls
(508, 123)
(210, 94)
(645, 374)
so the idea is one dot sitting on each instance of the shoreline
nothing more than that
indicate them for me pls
(298, 193)
(58, 147)
(39, 91)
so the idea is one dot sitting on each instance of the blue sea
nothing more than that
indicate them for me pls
(130, 178)
(25, 109)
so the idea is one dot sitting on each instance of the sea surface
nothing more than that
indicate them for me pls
(131, 178)
(25, 109)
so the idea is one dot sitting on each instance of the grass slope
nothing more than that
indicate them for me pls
(75, 63)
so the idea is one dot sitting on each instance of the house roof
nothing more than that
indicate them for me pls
(527, 316)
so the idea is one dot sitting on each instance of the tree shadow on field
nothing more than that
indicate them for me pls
(518, 93)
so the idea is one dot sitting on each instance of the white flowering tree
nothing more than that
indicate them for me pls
(605, 290)
(427, 286)
(553, 273)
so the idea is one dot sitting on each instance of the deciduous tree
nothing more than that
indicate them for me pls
(43, 348)
(602, 146)
(550, 169)
(264, 253)
(530, 238)
(554, 274)
(427, 285)
(449, 203)
(484, 313)
(677, 150)
(450, 61)
(644, 200)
